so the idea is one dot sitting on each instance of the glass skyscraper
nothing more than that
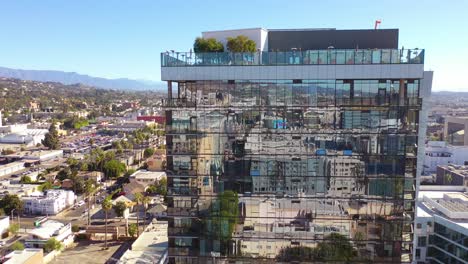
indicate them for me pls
(306, 150)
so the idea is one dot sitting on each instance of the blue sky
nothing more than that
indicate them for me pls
(116, 39)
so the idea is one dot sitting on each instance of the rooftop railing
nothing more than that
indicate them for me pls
(308, 57)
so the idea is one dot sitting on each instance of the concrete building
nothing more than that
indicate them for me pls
(147, 177)
(329, 122)
(36, 155)
(49, 229)
(96, 176)
(441, 233)
(455, 130)
(25, 256)
(12, 187)
(452, 175)
(10, 168)
(150, 246)
(442, 153)
(52, 203)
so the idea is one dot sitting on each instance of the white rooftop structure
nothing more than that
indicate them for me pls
(145, 176)
(27, 255)
(440, 208)
(150, 247)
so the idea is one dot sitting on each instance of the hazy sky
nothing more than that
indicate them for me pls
(110, 38)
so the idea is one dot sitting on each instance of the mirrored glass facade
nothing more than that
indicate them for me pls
(257, 168)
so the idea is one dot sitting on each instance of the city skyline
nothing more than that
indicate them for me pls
(87, 38)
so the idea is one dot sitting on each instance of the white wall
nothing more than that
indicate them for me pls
(4, 224)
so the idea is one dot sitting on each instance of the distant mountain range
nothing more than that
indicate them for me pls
(74, 78)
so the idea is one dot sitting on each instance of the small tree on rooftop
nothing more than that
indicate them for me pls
(207, 45)
(241, 43)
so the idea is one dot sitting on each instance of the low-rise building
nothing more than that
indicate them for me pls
(148, 177)
(11, 168)
(21, 190)
(25, 256)
(96, 176)
(442, 153)
(53, 202)
(49, 229)
(37, 155)
(150, 247)
(441, 234)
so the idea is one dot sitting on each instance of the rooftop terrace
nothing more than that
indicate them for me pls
(294, 57)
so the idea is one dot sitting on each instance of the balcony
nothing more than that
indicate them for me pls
(309, 57)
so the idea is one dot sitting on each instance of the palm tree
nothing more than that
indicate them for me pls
(138, 198)
(106, 206)
(145, 201)
(90, 189)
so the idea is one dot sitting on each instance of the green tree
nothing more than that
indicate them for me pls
(138, 199)
(17, 246)
(148, 152)
(75, 228)
(45, 186)
(223, 218)
(158, 188)
(106, 207)
(14, 228)
(113, 169)
(132, 230)
(118, 147)
(145, 201)
(336, 247)
(241, 43)
(11, 202)
(89, 189)
(207, 45)
(52, 244)
(25, 179)
(119, 208)
(51, 139)
(64, 174)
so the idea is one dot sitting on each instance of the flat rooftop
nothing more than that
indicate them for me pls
(150, 247)
(450, 205)
(21, 256)
(150, 175)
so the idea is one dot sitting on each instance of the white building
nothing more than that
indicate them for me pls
(37, 155)
(21, 190)
(4, 224)
(150, 247)
(49, 229)
(25, 256)
(441, 153)
(50, 204)
(148, 177)
(441, 232)
(11, 168)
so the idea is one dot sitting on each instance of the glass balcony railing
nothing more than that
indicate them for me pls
(308, 57)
